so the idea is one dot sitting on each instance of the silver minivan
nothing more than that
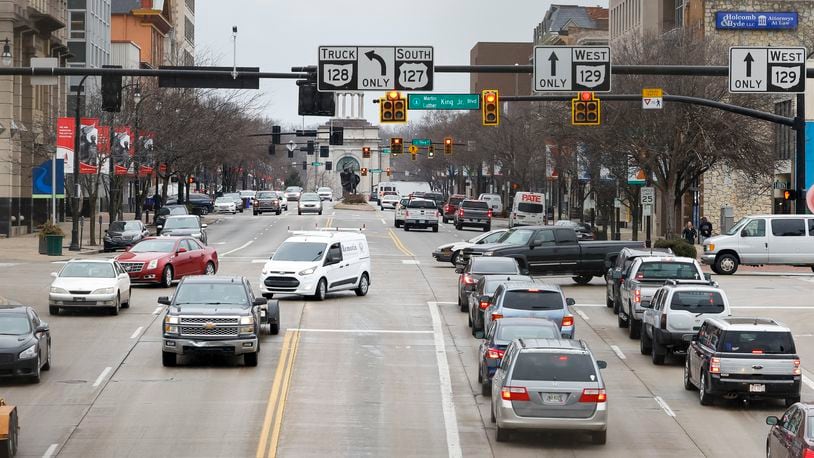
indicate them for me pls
(762, 239)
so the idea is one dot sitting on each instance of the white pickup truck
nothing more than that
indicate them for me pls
(421, 214)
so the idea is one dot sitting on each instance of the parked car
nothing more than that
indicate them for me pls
(326, 193)
(762, 240)
(188, 225)
(239, 203)
(283, 200)
(266, 201)
(90, 283)
(216, 314)
(583, 230)
(389, 201)
(473, 213)
(292, 193)
(25, 341)
(550, 385)
(121, 234)
(477, 268)
(646, 275)
(160, 260)
(676, 313)
(448, 252)
(451, 207)
(167, 211)
(620, 263)
(743, 357)
(309, 203)
(792, 434)
(499, 335)
(482, 296)
(225, 205)
(531, 299)
(495, 202)
(198, 204)
(421, 214)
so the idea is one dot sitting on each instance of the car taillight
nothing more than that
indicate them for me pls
(808, 453)
(497, 316)
(461, 213)
(467, 279)
(797, 370)
(567, 320)
(489, 213)
(494, 353)
(447, 209)
(514, 393)
(637, 295)
(715, 365)
(663, 322)
(483, 305)
(593, 395)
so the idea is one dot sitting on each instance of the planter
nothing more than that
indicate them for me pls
(54, 245)
(43, 246)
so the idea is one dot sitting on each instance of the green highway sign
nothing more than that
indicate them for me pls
(422, 142)
(316, 164)
(443, 101)
(375, 170)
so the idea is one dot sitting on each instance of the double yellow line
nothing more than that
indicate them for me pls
(329, 222)
(273, 421)
(399, 244)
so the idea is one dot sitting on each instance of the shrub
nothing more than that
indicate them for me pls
(679, 246)
(354, 199)
(49, 228)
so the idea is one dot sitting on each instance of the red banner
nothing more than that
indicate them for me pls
(121, 149)
(104, 139)
(65, 142)
(145, 171)
(119, 170)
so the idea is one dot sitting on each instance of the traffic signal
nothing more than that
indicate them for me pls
(585, 110)
(490, 108)
(309, 147)
(413, 155)
(790, 194)
(305, 165)
(366, 152)
(396, 145)
(393, 108)
(275, 135)
(272, 150)
(448, 145)
(112, 91)
(364, 171)
(337, 136)
(430, 151)
(389, 172)
(329, 165)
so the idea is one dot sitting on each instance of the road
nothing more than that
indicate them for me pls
(390, 374)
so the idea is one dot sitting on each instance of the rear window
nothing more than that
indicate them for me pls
(529, 208)
(494, 266)
(421, 204)
(455, 200)
(554, 367)
(543, 331)
(667, 270)
(533, 300)
(698, 301)
(757, 342)
(478, 204)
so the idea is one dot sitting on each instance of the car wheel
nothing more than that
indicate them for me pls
(204, 211)
(469, 319)
(396, 224)
(599, 437)
(454, 257)
(726, 264)
(320, 213)
(487, 228)
(255, 213)
(53, 310)
(168, 359)
(364, 285)
(12, 441)
(463, 306)
(459, 227)
(621, 321)
(703, 396)
(210, 268)
(435, 228)
(166, 277)
(634, 328)
(492, 412)
(47, 365)
(406, 227)
(658, 352)
(791, 401)
(608, 302)
(480, 375)
(116, 306)
(278, 212)
(250, 359)
(274, 329)
(582, 280)
(502, 434)
(299, 212)
(126, 305)
(645, 343)
(446, 221)
(322, 288)
(36, 376)
(687, 380)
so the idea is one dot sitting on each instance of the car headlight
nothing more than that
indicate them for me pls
(28, 353)
(171, 319)
(56, 290)
(171, 324)
(153, 264)
(247, 320)
(308, 271)
(103, 291)
(247, 325)
(488, 253)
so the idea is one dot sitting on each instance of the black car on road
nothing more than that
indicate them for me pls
(199, 204)
(25, 343)
(479, 267)
(122, 234)
(473, 213)
(165, 212)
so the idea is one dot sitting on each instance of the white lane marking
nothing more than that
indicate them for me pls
(410, 261)
(334, 214)
(664, 406)
(590, 305)
(137, 332)
(809, 383)
(618, 351)
(583, 315)
(363, 331)
(239, 248)
(447, 403)
(447, 303)
(102, 376)
(218, 243)
(50, 451)
(157, 310)
(259, 261)
(802, 335)
(384, 222)
(59, 262)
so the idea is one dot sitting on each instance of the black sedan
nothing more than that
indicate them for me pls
(25, 343)
(122, 234)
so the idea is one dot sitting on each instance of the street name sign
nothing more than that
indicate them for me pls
(652, 99)
(767, 70)
(375, 170)
(385, 150)
(443, 101)
(422, 142)
(375, 68)
(572, 68)
(316, 164)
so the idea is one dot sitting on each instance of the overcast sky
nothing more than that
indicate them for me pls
(276, 35)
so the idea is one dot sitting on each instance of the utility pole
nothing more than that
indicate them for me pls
(75, 244)
(800, 155)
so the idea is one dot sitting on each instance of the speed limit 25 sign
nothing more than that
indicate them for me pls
(572, 68)
(648, 196)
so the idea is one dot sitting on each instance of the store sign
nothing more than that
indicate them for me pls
(744, 20)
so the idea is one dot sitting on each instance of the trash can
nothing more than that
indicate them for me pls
(54, 245)
(43, 245)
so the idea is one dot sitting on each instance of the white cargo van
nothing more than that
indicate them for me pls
(495, 202)
(314, 263)
(762, 239)
(528, 209)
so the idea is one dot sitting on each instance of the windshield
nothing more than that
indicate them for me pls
(181, 223)
(154, 246)
(738, 226)
(121, 226)
(324, 190)
(526, 207)
(455, 200)
(516, 237)
(300, 251)
(494, 266)
(224, 200)
(212, 293)
(533, 300)
(757, 342)
(310, 196)
(552, 367)
(232, 195)
(14, 324)
(698, 301)
(665, 270)
(267, 195)
(88, 270)
(544, 330)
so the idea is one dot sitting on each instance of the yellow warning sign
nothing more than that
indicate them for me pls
(650, 93)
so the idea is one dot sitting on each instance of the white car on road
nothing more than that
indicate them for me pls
(326, 194)
(389, 201)
(225, 205)
(450, 251)
(90, 283)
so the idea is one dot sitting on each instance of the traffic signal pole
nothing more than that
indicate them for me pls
(800, 155)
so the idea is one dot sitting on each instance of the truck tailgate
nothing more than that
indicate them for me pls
(732, 365)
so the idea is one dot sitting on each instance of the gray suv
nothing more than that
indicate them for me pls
(545, 384)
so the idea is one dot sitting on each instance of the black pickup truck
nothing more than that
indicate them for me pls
(551, 250)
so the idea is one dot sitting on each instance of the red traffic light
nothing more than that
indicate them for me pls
(586, 96)
(447, 141)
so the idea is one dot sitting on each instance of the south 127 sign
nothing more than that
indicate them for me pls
(375, 68)
(572, 68)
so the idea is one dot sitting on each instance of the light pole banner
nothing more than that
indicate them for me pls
(121, 149)
(88, 145)
(65, 142)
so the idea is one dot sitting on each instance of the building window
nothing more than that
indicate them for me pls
(189, 30)
(77, 48)
(77, 24)
(191, 5)
(679, 13)
(77, 4)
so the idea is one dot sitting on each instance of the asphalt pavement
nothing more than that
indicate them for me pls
(389, 374)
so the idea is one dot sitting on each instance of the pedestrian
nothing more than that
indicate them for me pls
(157, 201)
(705, 228)
(689, 233)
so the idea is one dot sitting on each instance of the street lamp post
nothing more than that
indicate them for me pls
(75, 243)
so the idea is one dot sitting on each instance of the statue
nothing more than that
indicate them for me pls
(349, 179)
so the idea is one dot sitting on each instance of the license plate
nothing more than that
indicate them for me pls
(757, 388)
(262, 313)
(79, 299)
(554, 398)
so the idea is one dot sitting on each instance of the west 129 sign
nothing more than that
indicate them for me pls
(572, 68)
(375, 68)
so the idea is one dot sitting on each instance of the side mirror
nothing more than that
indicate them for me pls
(127, 248)
(771, 420)
(459, 270)
(536, 243)
(480, 335)
(164, 300)
(182, 250)
(601, 364)
(524, 271)
(203, 226)
(43, 327)
(260, 301)
(54, 274)
(569, 301)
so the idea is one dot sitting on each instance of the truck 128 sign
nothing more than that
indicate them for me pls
(375, 68)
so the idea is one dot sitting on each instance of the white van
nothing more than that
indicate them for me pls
(495, 202)
(762, 239)
(314, 263)
(528, 209)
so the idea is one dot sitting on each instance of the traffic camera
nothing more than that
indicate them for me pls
(585, 110)
(490, 107)
(393, 108)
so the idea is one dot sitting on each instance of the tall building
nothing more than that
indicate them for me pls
(88, 40)
(32, 28)
(491, 53)
(645, 17)
(573, 25)
(182, 37)
(147, 24)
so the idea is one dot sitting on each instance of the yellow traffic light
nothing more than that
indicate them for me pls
(448, 145)
(366, 152)
(585, 110)
(490, 107)
(393, 108)
(396, 145)
(389, 171)
(790, 194)
(364, 171)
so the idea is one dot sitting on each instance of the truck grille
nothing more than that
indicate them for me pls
(132, 266)
(281, 282)
(209, 326)
(203, 320)
(217, 331)
(79, 292)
